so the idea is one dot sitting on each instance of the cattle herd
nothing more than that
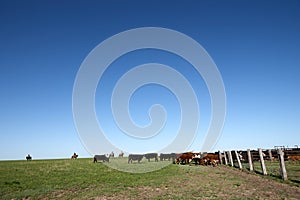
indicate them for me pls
(205, 158)
(212, 159)
(176, 158)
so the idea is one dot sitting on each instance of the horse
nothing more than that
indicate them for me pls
(28, 157)
(112, 155)
(74, 156)
(121, 154)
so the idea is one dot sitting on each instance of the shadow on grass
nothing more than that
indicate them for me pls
(295, 181)
(258, 172)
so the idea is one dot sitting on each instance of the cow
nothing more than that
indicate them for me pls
(121, 154)
(103, 158)
(28, 157)
(137, 157)
(197, 158)
(293, 158)
(167, 156)
(185, 158)
(151, 155)
(210, 159)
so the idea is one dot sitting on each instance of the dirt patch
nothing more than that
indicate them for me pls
(144, 192)
(240, 184)
(201, 182)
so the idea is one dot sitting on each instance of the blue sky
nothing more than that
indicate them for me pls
(255, 45)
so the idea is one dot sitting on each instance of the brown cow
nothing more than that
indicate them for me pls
(210, 159)
(293, 158)
(185, 158)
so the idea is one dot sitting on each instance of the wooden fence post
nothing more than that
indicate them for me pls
(270, 154)
(238, 159)
(282, 164)
(220, 157)
(262, 162)
(230, 158)
(250, 160)
(225, 158)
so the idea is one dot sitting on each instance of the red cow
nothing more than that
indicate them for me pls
(210, 159)
(185, 158)
(293, 158)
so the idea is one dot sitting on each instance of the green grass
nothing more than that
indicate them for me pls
(83, 179)
(273, 170)
(144, 166)
(42, 178)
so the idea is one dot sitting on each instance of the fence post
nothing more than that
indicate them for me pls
(262, 162)
(225, 158)
(220, 157)
(250, 160)
(238, 159)
(282, 164)
(270, 154)
(230, 158)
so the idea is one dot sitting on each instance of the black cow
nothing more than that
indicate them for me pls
(167, 156)
(137, 157)
(103, 158)
(151, 155)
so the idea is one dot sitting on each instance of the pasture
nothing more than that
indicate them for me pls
(273, 170)
(83, 179)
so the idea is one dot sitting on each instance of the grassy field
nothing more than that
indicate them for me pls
(83, 179)
(273, 170)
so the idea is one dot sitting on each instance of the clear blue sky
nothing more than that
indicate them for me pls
(255, 44)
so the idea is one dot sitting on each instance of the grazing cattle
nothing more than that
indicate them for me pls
(121, 154)
(293, 158)
(102, 158)
(210, 159)
(133, 157)
(167, 156)
(28, 157)
(112, 155)
(185, 158)
(197, 158)
(74, 156)
(151, 155)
